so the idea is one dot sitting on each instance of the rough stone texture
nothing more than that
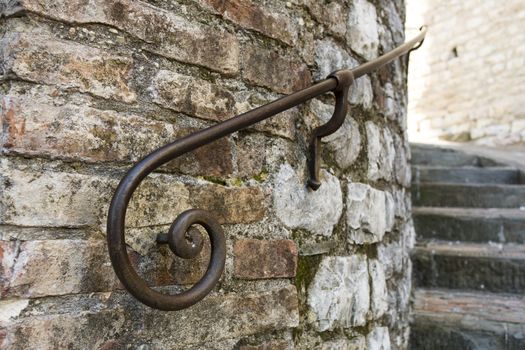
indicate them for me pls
(378, 339)
(42, 59)
(269, 68)
(357, 343)
(41, 268)
(37, 123)
(378, 296)
(257, 259)
(331, 57)
(195, 97)
(339, 295)
(231, 204)
(381, 152)
(166, 33)
(271, 345)
(345, 143)
(87, 88)
(249, 15)
(362, 33)
(472, 88)
(299, 207)
(331, 14)
(370, 213)
(228, 316)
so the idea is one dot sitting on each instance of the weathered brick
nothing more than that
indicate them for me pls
(57, 267)
(190, 95)
(50, 199)
(69, 199)
(252, 16)
(68, 136)
(282, 124)
(250, 163)
(40, 268)
(231, 204)
(268, 68)
(164, 32)
(43, 59)
(258, 259)
(121, 320)
(36, 124)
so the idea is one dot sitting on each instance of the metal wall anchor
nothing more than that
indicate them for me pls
(181, 232)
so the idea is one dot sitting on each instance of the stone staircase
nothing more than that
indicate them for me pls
(469, 259)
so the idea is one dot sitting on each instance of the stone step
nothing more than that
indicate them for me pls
(468, 195)
(448, 319)
(470, 225)
(493, 175)
(433, 155)
(471, 266)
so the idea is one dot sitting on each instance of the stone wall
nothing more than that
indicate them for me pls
(468, 81)
(90, 87)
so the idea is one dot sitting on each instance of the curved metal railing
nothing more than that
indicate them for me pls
(185, 241)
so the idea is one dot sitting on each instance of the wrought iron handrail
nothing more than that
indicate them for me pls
(182, 238)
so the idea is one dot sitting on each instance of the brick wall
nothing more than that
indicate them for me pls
(468, 81)
(90, 87)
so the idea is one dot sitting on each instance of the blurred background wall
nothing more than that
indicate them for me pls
(467, 83)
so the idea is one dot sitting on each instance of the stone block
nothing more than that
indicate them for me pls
(36, 123)
(379, 293)
(369, 214)
(231, 205)
(339, 295)
(331, 14)
(118, 320)
(299, 207)
(378, 339)
(193, 96)
(57, 267)
(345, 143)
(268, 68)
(260, 259)
(362, 29)
(381, 152)
(330, 57)
(162, 31)
(250, 15)
(40, 58)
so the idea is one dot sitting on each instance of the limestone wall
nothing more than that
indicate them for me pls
(468, 81)
(90, 87)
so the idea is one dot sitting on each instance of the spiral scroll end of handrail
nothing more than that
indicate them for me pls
(183, 239)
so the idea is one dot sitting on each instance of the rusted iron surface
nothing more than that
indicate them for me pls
(186, 242)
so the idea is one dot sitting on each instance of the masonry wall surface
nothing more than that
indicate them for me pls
(467, 83)
(90, 87)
